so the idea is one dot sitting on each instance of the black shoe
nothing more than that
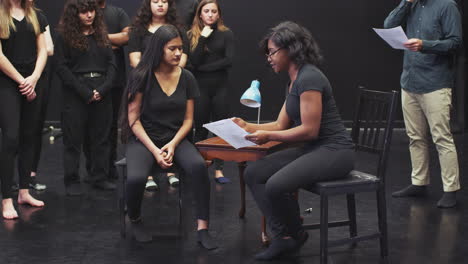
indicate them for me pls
(140, 232)
(74, 189)
(279, 247)
(113, 175)
(204, 238)
(411, 190)
(34, 184)
(448, 200)
(105, 185)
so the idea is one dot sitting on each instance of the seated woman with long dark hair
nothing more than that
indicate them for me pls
(157, 120)
(309, 116)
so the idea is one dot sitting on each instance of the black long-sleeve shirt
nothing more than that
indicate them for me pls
(214, 53)
(72, 62)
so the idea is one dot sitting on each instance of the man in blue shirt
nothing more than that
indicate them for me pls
(435, 33)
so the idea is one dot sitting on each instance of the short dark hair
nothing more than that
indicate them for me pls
(297, 40)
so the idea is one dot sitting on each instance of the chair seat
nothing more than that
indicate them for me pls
(355, 181)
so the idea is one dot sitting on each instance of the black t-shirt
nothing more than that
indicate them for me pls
(214, 53)
(163, 115)
(186, 10)
(141, 37)
(116, 20)
(21, 48)
(332, 132)
(72, 62)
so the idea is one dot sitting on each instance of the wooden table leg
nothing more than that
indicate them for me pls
(265, 238)
(242, 166)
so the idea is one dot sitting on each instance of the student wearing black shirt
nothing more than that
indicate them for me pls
(309, 116)
(152, 15)
(85, 63)
(118, 26)
(211, 55)
(23, 56)
(156, 123)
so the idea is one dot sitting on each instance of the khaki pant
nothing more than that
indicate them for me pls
(424, 113)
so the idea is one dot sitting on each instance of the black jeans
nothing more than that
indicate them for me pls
(211, 105)
(140, 161)
(81, 120)
(274, 179)
(19, 123)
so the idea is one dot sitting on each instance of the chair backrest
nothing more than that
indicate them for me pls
(373, 125)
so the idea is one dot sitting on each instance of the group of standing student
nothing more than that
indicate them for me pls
(23, 57)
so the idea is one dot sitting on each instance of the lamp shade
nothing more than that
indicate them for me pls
(251, 96)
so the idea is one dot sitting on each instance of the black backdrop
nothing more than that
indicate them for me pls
(354, 53)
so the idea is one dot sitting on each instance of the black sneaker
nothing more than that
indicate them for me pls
(36, 185)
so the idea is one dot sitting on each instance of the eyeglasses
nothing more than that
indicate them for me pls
(269, 54)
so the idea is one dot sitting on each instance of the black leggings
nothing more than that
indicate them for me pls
(212, 105)
(19, 123)
(274, 179)
(140, 162)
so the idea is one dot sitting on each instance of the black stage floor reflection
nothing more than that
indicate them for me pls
(86, 229)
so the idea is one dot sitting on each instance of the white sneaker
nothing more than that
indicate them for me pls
(151, 185)
(173, 181)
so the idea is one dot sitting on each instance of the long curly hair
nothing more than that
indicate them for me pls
(297, 40)
(70, 25)
(144, 16)
(141, 75)
(198, 25)
(6, 20)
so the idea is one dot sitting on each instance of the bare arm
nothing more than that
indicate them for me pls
(311, 115)
(119, 39)
(49, 42)
(282, 122)
(8, 69)
(27, 88)
(134, 58)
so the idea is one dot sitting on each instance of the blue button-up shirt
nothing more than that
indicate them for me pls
(438, 24)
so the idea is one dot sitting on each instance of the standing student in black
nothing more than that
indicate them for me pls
(23, 57)
(42, 99)
(152, 15)
(85, 63)
(211, 55)
(309, 118)
(118, 26)
(156, 123)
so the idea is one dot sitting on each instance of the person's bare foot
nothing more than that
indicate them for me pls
(25, 198)
(8, 210)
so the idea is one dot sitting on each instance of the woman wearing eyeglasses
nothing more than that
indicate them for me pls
(211, 55)
(310, 118)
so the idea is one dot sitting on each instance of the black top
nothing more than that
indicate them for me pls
(140, 38)
(72, 62)
(163, 115)
(21, 48)
(332, 132)
(186, 10)
(116, 20)
(213, 54)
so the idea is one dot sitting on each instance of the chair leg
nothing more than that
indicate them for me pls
(323, 228)
(123, 178)
(242, 166)
(181, 226)
(382, 215)
(352, 214)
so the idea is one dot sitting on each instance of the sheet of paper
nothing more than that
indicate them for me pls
(395, 37)
(230, 132)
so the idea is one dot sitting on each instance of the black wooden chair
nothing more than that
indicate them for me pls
(372, 133)
(122, 168)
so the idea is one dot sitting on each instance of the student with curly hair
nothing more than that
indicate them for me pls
(86, 66)
(23, 56)
(152, 15)
(156, 120)
(310, 117)
(211, 55)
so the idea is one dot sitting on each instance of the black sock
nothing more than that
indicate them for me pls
(205, 239)
(448, 200)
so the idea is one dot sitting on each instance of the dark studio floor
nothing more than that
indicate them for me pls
(86, 229)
